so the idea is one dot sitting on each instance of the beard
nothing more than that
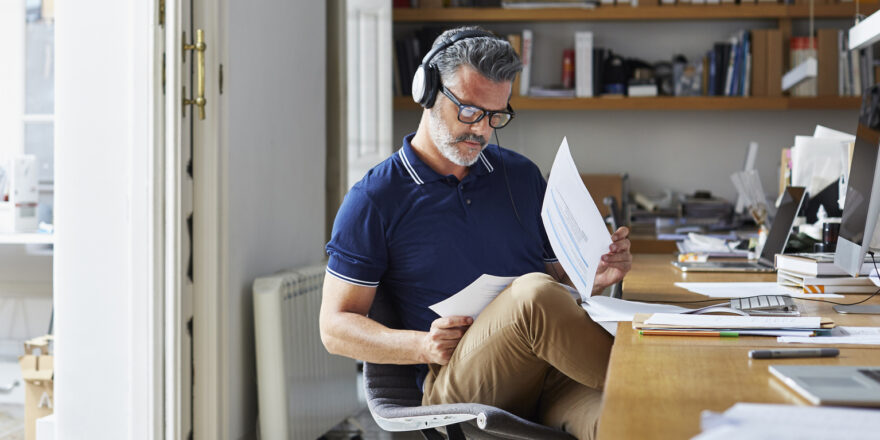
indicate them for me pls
(446, 143)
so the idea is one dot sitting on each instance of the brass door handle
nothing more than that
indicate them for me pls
(199, 48)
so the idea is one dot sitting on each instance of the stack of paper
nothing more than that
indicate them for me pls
(789, 422)
(607, 311)
(686, 324)
(840, 335)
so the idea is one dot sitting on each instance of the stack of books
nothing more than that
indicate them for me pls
(816, 273)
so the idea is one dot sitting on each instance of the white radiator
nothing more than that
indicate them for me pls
(303, 390)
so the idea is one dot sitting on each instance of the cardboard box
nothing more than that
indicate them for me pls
(38, 372)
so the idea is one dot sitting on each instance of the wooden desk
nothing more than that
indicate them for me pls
(657, 386)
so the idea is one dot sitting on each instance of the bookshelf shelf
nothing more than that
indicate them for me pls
(669, 103)
(621, 13)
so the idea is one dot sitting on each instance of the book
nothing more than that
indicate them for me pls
(515, 41)
(525, 76)
(759, 62)
(600, 55)
(774, 62)
(827, 284)
(816, 264)
(583, 64)
(828, 63)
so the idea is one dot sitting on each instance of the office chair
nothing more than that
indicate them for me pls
(395, 402)
(615, 220)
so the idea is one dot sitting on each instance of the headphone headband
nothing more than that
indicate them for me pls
(455, 38)
(426, 81)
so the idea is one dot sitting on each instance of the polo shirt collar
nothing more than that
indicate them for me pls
(421, 173)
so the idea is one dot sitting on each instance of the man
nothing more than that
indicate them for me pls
(443, 210)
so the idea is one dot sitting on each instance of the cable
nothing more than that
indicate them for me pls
(516, 211)
(874, 261)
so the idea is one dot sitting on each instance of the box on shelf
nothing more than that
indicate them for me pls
(38, 372)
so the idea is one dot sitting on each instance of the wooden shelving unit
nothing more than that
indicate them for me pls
(667, 103)
(784, 14)
(675, 12)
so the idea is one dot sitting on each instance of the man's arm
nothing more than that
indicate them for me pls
(346, 330)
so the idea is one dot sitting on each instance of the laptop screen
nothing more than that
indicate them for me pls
(782, 224)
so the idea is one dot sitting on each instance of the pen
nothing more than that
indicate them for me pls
(686, 333)
(793, 353)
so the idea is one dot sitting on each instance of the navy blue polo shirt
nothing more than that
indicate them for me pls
(423, 236)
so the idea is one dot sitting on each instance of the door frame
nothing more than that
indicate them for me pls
(209, 253)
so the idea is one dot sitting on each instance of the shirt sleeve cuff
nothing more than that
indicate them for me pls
(357, 274)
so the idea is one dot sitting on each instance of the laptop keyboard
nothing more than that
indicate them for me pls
(873, 374)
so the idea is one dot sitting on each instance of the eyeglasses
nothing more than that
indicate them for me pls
(471, 114)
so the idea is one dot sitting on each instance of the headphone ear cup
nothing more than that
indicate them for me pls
(432, 86)
(418, 85)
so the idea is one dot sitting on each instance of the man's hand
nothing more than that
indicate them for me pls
(440, 342)
(615, 264)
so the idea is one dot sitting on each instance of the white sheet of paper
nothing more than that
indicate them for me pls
(471, 300)
(855, 331)
(852, 340)
(760, 421)
(574, 226)
(722, 321)
(604, 308)
(741, 290)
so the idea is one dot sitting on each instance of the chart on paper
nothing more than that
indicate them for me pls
(574, 226)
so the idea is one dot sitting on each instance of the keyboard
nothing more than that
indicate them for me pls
(766, 305)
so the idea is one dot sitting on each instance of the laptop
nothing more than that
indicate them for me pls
(777, 238)
(832, 385)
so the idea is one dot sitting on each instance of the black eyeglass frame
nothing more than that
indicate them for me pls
(483, 112)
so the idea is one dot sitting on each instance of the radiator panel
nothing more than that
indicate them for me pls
(303, 390)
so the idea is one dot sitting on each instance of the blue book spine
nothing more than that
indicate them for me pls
(712, 73)
(734, 82)
(747, 48)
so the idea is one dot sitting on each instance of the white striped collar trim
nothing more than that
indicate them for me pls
(409, 168)
(352, 280)
(486, 162)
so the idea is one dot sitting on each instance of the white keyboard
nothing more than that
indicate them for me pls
(766, 305)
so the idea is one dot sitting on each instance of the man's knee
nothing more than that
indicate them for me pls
(539, 290)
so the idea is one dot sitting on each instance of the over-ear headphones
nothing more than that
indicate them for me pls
(426, 81)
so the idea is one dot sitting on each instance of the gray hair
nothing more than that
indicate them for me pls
(492, 57)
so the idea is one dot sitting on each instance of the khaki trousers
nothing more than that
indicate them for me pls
(532, 352)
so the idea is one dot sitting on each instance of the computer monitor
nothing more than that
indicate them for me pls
(862, 205)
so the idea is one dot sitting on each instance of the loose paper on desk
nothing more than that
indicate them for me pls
(757, 421)
(723, 321)
(742, 290)
(840, 335)
(471, 300)
(574, 226)
(607, 311)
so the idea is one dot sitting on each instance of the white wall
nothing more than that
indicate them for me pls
(678, 150)
(275, 158)
(101, 285)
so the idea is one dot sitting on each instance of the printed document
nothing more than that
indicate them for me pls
(720, 321)
(471, 300)
(789, 422)
(573, 223)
